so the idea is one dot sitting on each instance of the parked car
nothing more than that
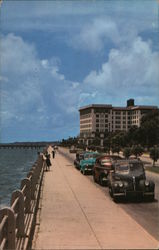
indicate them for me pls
(88, 161)
(73, 149)
(102, 168)
(129, 179)
(79, 156)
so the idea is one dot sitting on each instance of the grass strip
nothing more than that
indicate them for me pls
(153, 169)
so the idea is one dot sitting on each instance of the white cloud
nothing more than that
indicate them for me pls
(34, 93)
(94, 35)
(129, 70)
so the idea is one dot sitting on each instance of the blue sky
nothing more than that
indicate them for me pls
(57, 56)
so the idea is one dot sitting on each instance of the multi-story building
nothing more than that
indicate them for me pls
(104, 118)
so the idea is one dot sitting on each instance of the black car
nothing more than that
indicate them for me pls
(128, 179)
(79, 156)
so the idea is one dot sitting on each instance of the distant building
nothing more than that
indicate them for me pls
(103, 118)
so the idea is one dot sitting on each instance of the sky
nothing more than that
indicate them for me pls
(56, 56)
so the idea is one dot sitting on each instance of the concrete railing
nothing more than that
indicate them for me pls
(17, 222)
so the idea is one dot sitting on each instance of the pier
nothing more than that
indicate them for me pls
(68, 211)
(32, 145)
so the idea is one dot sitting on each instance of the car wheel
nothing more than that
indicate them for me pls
(116, 199)
(84, 172)
(111, 192)
(152, 197)
(94, 178)
(101, 182)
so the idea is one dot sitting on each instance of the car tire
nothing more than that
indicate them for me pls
(101, 182)
(84, 172)
(111, 192)
(116, 199)
(94, 178)
(151, 198)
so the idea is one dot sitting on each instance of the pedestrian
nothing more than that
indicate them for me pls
(48, 162)
(53, 153)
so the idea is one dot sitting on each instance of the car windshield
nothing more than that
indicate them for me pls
(89, 156)
(136, 166)
(122, 168)
(80, 157)
(94, 155)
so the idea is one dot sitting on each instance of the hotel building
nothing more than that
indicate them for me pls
(104, 118)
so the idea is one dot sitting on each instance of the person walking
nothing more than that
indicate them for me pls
(48, 162)
(53, 153)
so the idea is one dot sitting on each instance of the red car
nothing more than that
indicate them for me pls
(102, 167)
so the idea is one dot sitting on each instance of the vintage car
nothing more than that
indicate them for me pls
(79, 156)
(128, 179)
(102, 168)
(88, 161)
(73, 149)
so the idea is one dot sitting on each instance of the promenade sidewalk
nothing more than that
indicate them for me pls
(75, 214)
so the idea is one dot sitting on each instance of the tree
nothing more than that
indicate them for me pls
(137, 150)
(106, 144)
(127, 152)
(150, 128)
(132, 135)
(115, 149)
(154, 154)
(96, 142)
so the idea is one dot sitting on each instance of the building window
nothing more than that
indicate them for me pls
(102, 125)
(118, 117)
(117, 122)
(117, 127)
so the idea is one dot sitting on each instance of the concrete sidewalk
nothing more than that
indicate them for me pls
(75, 214)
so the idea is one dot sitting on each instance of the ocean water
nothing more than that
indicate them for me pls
(14, 166)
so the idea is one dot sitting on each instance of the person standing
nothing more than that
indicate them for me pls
(48, 162)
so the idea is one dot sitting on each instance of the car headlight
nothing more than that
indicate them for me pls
(120, 184)
(125, 184)
(147, 183)
(115, 184)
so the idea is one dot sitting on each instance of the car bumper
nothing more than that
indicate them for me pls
(134, 194)
(104, 179)
(88, 168)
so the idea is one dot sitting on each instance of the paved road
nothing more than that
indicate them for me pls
(145, 213)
